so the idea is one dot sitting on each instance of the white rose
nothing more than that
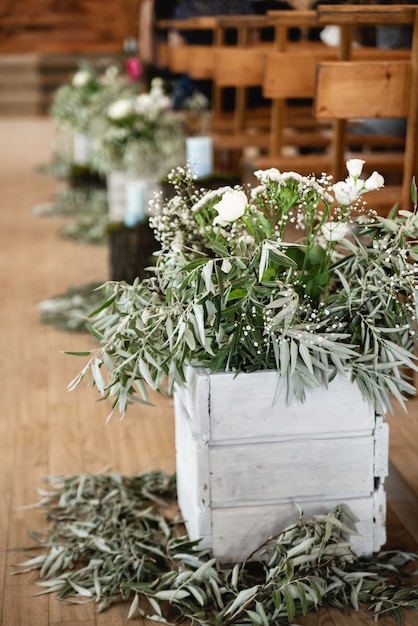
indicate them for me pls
(120, 109)
(375, 181)
(81, 78)
(230, 207)
(334, 231)
(355, 167)
(345, 193)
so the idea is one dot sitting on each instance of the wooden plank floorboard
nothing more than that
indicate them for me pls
(44, 429)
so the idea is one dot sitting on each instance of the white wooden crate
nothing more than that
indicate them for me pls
(243, 460)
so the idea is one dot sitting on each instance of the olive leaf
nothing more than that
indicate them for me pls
(112, 538)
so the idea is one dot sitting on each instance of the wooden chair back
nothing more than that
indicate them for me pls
(283, 20)
(201, 62)
(359, 89)
(242, 68)
(292, 74)
(289, 74)
(246, 27)
(179, 54)
(371, 89)
(177, 58)
(239, 67)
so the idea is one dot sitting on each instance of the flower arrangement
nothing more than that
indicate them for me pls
(140, 134)
(77, 104)
(295, 275)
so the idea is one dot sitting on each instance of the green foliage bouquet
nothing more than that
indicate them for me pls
(293, 275)
(140, 134)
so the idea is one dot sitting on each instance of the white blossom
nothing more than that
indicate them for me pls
(265, 176)
(334, 231)
(294, 176)
(210, 195)
(81, 78)
(346, 193)
(143, 104)
(157, 84)
(110, 74)
(375, 181)
(230, 207)
(120, 109)
(355, 167)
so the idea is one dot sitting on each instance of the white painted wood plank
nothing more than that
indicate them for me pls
(238, 532)
(244, 405)
(192, 472)
(381, 448)
(291, 469)
(379, 516)
(195, 400)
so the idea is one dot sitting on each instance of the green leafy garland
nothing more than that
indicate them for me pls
(116, 538)
(88, 206)
(70, 310)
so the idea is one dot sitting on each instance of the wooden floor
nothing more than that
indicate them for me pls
(44, 429)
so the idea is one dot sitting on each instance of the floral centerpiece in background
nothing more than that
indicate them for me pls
(79, 104)
(140, 134)
(293, 275)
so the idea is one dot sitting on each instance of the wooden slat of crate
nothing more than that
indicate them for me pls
(236, 531)
(230, 418)
(317, 468)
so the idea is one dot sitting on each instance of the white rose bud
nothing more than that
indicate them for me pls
(355, 167)
(231, 207)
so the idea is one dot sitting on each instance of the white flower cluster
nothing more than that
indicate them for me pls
(233, 203)
(147, 105)
(350, 190)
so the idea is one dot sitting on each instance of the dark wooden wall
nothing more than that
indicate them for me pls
(66, 26)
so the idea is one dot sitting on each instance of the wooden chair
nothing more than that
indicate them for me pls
(236, 67)
(240, 69)
(178, 54)
(289, 81)
(247, 30)
(356, 88)
(291, 74)
(198, 61)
